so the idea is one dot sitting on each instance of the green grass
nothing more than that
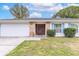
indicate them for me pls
(48, 47)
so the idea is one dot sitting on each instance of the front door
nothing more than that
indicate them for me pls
(40, 29)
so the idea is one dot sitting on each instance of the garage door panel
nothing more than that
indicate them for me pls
(14, 30)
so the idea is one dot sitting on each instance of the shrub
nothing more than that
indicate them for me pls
(51, 33)
(69, 32)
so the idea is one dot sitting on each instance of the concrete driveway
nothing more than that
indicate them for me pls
(8, 44)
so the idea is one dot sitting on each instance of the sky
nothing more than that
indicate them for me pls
(36, 10)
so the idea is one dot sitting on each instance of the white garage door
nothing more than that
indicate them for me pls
(16, 30)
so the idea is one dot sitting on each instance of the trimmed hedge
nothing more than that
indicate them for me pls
(51, 33)
(69, 32)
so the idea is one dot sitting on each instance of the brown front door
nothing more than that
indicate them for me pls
(40, 29)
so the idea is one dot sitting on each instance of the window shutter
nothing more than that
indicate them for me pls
(62, 27)
(53, 26)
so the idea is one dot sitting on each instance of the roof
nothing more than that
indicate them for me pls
(55, 20)
(31, 19)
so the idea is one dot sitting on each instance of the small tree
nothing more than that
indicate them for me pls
(51, 33)
(19, 11)
(69, 32)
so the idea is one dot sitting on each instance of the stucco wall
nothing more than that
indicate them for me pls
(48, 26)
(32, 29)
(63, 25)
(20, 30)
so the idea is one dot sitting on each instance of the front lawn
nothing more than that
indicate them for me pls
(48, 47)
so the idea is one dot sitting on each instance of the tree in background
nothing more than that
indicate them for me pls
(19, 11)
(69, 12)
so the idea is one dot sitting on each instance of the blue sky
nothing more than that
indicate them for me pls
(38, 10)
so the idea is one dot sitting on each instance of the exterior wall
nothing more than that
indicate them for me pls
(21, 30)
(67, 25)
(14, 30)
(33, 28)
(47, 27)
(52, 26)
(77, 34)
(61, 33)
(64, 25)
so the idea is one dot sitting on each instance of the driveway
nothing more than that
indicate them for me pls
(8, 44)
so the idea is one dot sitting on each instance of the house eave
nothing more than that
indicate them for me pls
(62, 20)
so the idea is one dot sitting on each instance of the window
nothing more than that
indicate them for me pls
(58, 28)
(74, 26)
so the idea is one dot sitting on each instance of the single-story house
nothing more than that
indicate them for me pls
(36, 26)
